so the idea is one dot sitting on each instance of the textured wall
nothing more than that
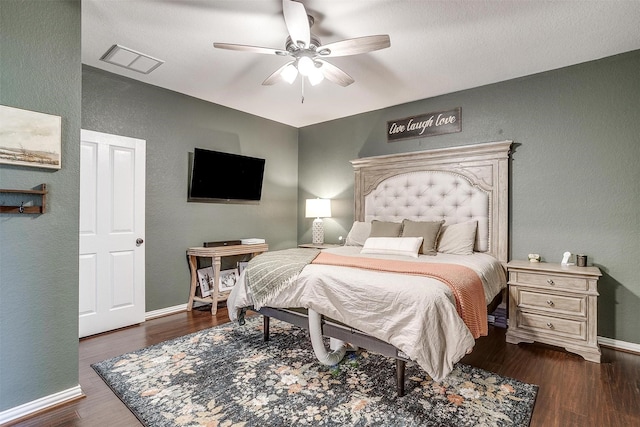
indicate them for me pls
(575, 177)
(173, 124)
(40, 71)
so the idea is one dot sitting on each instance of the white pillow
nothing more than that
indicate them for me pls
(408, 246)
(358, 233)
(458, 239)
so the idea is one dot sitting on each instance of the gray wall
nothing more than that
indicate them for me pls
(173, 124)
(575, 180)
(575, 176)
(40, 71)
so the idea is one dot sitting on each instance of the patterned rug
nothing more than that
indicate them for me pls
(227, 376)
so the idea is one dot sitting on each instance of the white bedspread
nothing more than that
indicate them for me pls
(415, 314)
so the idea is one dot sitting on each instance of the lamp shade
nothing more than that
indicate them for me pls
(289, 74)
(318, 208)
(305, 65)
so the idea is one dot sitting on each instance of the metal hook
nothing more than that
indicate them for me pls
(21, 208)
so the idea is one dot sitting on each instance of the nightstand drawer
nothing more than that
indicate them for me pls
(547, 325)
(550, 281)
(560, 304)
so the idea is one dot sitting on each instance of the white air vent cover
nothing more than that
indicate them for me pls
(130, 59)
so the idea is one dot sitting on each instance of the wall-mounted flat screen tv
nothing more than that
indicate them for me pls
(225, 177)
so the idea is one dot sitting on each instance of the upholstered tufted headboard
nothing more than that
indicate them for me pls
(458, 184)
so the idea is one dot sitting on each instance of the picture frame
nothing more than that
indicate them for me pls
(228, 279)
(241, 266)
(206, 281)
(29, 138)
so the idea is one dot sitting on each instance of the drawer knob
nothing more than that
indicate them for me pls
(549, 281)
(550, 325)
(550, 303)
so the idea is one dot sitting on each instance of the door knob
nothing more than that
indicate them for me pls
(139, 241)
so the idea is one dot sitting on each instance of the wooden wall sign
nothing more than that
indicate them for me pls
(429, 124)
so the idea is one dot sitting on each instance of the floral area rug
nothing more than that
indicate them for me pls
(227, 376)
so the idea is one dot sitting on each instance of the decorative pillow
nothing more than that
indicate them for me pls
(428, 230)
(385, 229)
(358, 233)
(408, 246)
(458, 239)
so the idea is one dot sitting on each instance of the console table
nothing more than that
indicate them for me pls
(216, 253)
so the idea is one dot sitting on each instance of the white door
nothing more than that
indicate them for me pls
(112, 209)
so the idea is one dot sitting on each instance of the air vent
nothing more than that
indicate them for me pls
(130, 59)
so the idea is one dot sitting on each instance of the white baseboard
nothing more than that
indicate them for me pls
(165, 311)
(619, 345)
(41, 404)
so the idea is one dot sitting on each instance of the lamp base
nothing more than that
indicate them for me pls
(317, 231)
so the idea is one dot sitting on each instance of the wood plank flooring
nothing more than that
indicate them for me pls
(572, 392)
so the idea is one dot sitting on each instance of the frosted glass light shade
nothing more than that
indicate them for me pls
(305, 65)
(289, 74)
(318, 208)
(316, 76)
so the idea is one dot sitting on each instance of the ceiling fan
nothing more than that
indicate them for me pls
(307, 53)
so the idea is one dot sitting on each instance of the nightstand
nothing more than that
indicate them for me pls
(318, 245)
(554, 304)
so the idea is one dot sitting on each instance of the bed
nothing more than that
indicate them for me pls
(461, 191)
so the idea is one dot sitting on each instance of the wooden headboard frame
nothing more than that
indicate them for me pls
(483, 165)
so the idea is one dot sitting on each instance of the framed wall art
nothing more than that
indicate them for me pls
(423, 125)
(28, 138)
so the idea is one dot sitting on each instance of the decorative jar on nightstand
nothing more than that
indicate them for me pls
(554, 304)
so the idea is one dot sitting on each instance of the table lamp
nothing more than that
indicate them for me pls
(318, 209)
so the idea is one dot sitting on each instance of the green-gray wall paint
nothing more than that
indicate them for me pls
(575, 176)
(40, 71)
(575, 180)
(173, 124)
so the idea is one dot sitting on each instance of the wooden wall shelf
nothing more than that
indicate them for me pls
(38, 209)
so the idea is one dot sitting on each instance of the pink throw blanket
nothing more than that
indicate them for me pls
(463, 282)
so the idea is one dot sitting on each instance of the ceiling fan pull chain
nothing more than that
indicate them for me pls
(302, 80)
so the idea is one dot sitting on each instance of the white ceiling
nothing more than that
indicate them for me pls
(437, 47)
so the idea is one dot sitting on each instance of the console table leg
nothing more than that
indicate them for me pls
(194, 280)
(216, 261)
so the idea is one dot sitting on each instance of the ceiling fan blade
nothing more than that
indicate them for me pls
(297, 22)
(335, 74)
(276, 76)
(252, 49)
(355, 46)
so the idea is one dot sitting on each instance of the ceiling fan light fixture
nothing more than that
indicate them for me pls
(316, 76)
(289, 74)
(306, 53)
(306, 66)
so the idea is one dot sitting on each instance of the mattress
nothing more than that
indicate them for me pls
(416, 314)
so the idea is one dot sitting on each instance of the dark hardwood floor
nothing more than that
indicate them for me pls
(572, 392)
